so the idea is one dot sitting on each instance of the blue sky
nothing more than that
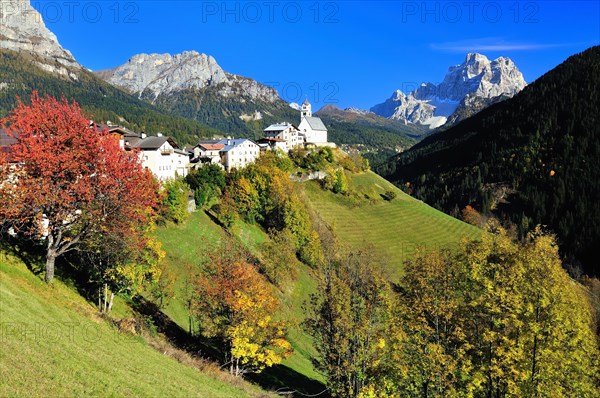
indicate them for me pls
(349, 53)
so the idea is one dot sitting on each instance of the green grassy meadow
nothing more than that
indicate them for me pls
(84, 355)
(54, 344)
(186, 247)
(393, 229)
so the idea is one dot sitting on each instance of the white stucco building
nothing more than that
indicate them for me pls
(161, 155)
(285, 132)
(311, 127)
(238, 153)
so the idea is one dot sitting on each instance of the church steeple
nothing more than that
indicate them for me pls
(306, 110)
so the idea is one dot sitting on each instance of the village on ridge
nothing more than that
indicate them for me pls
(166, 159)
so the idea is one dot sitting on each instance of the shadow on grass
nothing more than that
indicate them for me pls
(30, 254)
(33, 255)
(287, 381)
(277, 378)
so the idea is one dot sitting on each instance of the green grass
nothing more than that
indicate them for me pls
(251, 235)
(87, 356)
(293, 302)
(185, 246)
(53, 344)
(394, 229)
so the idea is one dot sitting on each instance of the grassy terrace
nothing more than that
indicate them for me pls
(53, 344)
(395, 229)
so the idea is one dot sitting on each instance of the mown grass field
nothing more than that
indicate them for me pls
(393, 229)
(53, 344)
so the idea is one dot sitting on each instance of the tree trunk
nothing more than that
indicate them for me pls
(50, 260)
(105, 298)
(110, 303)
(57, 247)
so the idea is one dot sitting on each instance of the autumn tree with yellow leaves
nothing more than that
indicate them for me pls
(348, 318)
(495, 318)
(529, 325)
(560, 350)
(235, 304)
(427, 338)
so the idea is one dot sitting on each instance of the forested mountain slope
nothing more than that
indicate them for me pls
(532, 160)
(20, 73)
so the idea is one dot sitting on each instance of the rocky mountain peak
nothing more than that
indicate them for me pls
(478, 75)
(23, 29)
(151, 76)
(476, 58)
(476, 78)
(398, 95)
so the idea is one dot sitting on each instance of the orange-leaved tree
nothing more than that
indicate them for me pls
(234, 303)
(71, 182)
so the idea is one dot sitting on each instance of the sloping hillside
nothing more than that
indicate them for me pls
(394, 229)
(55, 345)
(20, 74)
(532, 159)
(186, 247)
(375, 137)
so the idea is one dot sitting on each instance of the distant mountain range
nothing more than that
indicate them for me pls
(193, 85)
(31, 58)
(532, 159)
(466, 90)
(197, 95)
(377, 138)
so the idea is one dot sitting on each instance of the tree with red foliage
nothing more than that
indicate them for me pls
(71, 182)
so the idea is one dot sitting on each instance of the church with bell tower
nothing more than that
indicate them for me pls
(306, 110)
(311, 127)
